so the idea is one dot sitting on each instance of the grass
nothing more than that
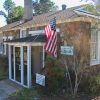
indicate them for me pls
(34, 94)
(25, 94)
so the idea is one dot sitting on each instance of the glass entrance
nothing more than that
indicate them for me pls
(12, 63)
(25, 65)
(17, 64)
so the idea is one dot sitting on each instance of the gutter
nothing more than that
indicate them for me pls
(88, 14)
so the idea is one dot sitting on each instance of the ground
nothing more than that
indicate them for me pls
(11, 90)
(35, 94)
(8, 87)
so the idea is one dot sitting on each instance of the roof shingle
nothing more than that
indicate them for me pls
(43, 19)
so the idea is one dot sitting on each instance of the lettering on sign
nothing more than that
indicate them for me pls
(67, 50)
(40, 79)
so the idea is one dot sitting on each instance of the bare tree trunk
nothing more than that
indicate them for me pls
(68, 74)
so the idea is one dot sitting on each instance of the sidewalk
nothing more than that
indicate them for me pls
(8, 87)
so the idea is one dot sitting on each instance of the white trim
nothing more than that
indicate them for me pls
(10, 37)
(96, 61)
(40, 32)
(19, 83)
(9, 56)
(26, 44)
(4, 37)
(22, 67)
(21, 33)
(1, 52)
(5, 47)
(29, 66)
(14, 63)
(83, 13)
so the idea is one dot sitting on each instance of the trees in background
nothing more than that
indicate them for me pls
(8, 5)
(97, 4)
(43, 6)
(13, 13)
(16, 14)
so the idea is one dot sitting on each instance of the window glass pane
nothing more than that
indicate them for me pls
(25, 65)
(24, 33)
(94, 44)
(12, 63)
(17, 64)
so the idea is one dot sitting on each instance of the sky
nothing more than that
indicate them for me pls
(69, 3)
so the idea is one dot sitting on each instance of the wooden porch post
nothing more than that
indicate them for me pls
(14, 63)
(29, 65)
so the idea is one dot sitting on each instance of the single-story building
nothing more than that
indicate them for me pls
(23, 41)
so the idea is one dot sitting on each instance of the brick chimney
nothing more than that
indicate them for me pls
(63, 7)
(28, 12)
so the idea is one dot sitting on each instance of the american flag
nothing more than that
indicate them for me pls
(51, 43)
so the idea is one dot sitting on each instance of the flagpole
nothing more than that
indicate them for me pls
(43, 56)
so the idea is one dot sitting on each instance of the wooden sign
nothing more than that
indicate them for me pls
(40, 79)
(67, 50)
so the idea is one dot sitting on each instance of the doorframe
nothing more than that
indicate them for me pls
(29, 77)
(21, 62)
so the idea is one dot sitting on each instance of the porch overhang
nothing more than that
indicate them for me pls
(25, 43)
(36, 40)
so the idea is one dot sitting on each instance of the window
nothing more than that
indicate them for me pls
(10, 38)
(1, 48)
(22, 33)
(4, 45)
(94, 45)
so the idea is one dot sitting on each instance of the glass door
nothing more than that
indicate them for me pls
(12, 63)
(25, 66)
(17, 64)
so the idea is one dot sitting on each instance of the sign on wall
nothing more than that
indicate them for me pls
(67, 50)
(40, 79)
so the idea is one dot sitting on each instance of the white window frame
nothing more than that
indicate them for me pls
(1, 46)
(5, 46)
(39, 32)
(21, 33)
(10, 37)
(95, 36)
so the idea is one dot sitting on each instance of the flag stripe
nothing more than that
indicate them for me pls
(51, 43)
(48, 42)
(54, 45)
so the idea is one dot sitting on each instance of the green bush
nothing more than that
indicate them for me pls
(3, 67)
(55, 76)
(90, 84)
(94, 85)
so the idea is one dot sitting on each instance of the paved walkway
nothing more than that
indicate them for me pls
(8, 87)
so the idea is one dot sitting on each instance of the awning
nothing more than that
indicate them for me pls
(32, 40)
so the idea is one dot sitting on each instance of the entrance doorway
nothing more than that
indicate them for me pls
(18, 67)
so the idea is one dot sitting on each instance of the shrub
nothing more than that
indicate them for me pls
(3, 67)
(55, 75)
(90, 84)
